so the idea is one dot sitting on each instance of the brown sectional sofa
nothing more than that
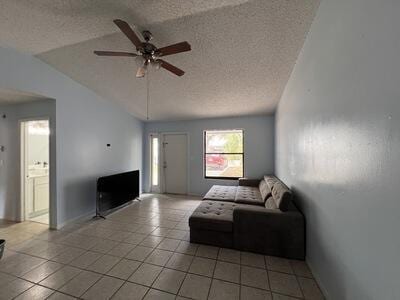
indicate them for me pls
(257, 216)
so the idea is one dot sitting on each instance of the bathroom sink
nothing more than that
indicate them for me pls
(35, 171)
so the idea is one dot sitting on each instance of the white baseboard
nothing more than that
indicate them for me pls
(83, 216)
(195, 195)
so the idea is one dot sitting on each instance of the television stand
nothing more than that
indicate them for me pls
(98, 216)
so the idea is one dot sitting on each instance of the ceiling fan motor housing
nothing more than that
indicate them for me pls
(147, 35)
(148, 48)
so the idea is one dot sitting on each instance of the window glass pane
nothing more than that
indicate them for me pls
(227, 141)
(224, 165)
(154, 161)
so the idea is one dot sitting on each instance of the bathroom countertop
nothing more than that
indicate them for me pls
(38, 175)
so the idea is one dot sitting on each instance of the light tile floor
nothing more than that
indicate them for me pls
(44, 219)
(140, 252)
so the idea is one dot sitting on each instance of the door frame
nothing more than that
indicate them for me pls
(161, 136)
(23, 170)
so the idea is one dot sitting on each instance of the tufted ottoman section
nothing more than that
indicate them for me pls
(212, 223)
(213, 215)
(221, 193)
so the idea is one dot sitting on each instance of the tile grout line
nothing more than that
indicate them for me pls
(301, 289)
(268, 279)
(186, 274)
(212, 277)
(240, 275)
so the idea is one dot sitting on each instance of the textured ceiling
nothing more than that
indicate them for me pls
(8, 96)
(242, 51)
(36, 26)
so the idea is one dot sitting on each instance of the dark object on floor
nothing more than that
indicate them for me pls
(2, 247)
(117, 190)
(257, 216)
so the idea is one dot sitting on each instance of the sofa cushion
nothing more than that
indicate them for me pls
(213, 215)
(221, 193)
(249, 195)
(270, 180)
(270, 203)
(282, 196)
(264, 190)
(249, 182)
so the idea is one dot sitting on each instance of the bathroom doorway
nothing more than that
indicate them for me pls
(35, 160)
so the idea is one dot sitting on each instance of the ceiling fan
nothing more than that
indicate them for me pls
(147, 53)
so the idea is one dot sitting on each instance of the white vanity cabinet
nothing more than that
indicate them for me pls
(38, 195)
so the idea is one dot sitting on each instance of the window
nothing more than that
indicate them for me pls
(154, 161)
(223, 154)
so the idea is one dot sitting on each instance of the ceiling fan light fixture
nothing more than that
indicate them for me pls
(156, 64)
(140, 61)
(141, 72)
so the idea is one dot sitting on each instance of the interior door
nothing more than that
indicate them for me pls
(175, 163)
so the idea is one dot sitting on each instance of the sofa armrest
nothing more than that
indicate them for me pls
(269, 231)
(261, 219)
(249, 182)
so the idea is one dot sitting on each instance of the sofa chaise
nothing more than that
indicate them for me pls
(257, 216)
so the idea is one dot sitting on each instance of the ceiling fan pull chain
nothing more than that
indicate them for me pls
(148, 91)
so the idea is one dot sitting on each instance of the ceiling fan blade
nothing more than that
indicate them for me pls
(173, 49)
(128, 31)
(170, 67)
(114, 53)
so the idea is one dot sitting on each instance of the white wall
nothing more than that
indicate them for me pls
(258, 147)
(85, 124)
(338, 145)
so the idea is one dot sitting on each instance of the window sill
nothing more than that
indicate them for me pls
(222, 178)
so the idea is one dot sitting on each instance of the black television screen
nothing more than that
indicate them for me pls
(116, 190)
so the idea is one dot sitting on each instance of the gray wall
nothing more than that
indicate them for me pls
(85, 124)
(258, 147)
(10, 158)
(338, 145)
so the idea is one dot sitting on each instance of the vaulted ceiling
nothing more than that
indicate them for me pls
(243, 51)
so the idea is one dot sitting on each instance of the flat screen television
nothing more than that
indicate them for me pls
(116, 190)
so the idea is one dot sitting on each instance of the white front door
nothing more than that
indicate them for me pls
(175, 163)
